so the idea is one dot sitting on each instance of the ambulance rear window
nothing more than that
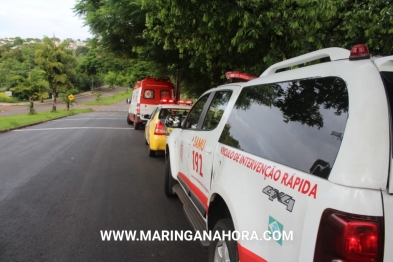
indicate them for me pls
(165, 94)
(172, 111)
(299, 124)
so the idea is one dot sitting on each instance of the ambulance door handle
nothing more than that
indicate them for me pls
(208, 150)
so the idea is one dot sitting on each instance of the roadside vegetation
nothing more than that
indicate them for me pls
(196, 42)
(34, 72)
(14, 121)
(100, 101)
(7, 99)
(153, 39)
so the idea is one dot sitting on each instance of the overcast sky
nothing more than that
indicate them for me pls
(39, 18)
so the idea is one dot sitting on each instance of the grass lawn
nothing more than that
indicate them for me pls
(8, 122)
(122, 96)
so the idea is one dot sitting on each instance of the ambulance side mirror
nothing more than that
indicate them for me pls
(128, 101)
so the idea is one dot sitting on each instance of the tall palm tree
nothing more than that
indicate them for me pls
(58, 62)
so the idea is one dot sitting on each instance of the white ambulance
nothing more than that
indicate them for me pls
(300, 160)
(147, 94)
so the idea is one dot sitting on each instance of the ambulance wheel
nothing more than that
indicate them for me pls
(223, 249)
(129, 121)
(136, 125)
(152, 153)
(169, 182)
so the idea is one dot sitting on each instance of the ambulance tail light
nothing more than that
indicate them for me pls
(138, 109)
(359, 52)
(346, 237)
(159, 129)
(185, 102)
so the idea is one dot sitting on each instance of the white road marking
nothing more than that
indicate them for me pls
(70, 119)
(65, 128)
(99, 110)
(105, 115)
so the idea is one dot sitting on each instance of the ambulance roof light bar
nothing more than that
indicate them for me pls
(359, 52)
(237, 76)
(185, 102)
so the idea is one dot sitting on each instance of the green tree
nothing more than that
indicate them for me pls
(81, 51)
(110, 79)
(58, 63)
(31, 86)
(42, 94)
(89, 68)
(2, 50)
(18, 41)
(65, 98)
(18, 61)
(122, 47)
(250, 35)
(118, 24)
(200, 41)
(98, 97)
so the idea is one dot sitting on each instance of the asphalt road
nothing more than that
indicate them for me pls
(64, 181)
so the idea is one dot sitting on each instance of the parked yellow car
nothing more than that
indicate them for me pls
(155, 127)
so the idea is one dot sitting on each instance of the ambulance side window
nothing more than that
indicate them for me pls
(216, 109)
(195, 113)
(297, 123)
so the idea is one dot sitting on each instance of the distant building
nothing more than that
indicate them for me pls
(73, 44)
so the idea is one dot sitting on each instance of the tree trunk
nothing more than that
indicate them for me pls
(54, 100)
(31, 106)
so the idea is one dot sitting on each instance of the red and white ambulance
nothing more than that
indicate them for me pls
(300, 160)
(146, 95)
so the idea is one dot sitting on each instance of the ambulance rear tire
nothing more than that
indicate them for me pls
(169, 182)
(223, 249)
(136, 125)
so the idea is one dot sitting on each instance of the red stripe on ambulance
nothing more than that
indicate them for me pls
(246, 255)
(198, 193)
